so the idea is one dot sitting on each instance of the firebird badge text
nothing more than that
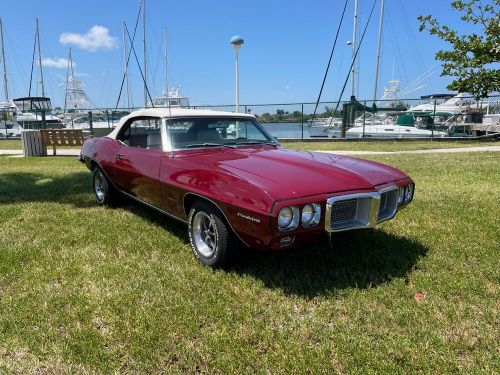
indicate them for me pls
(249, 217)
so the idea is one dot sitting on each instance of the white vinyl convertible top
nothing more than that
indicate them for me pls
(165, 112)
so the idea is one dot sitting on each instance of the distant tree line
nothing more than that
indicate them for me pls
(282, 115)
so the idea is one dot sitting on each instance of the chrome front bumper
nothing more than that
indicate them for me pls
(362, 210)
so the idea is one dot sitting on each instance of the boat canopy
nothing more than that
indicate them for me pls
(410, 119)
(437, 96)
(33, 103)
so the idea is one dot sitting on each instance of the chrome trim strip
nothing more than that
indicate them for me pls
(216, 205)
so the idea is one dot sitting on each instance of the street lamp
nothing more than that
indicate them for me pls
(237, 41)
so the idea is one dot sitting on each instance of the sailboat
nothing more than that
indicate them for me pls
(8, 127)
(77, 104)
(34, 112)
(382, 125)
(173, 97)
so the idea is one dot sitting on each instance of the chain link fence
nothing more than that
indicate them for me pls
(431, 117)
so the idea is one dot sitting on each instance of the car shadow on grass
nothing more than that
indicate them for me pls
(358, 259)
(20, 187)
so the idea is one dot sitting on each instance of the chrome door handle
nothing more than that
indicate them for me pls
(119, 156)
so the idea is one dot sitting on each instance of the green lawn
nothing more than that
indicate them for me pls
(384, 145)
(335, 145)
(10, 144)
(85, 289)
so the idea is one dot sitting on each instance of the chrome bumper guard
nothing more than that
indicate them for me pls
(362, 210)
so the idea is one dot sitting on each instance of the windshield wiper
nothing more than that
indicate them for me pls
(206, 144)
(250, 142)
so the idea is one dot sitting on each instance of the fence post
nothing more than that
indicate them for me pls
(91, 125)
(364, 119)
(302, 117)
(44, 120)
(345, 119)
(433, 120)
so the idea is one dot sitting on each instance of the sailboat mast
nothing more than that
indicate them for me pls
(165, 60)
(39, 57)
(378, 49)
(145, 53)
(354, 34)
(5, 86)
(125, 68)
(69, 69)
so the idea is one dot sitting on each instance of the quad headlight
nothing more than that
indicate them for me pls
(405, 194)
(409, 193)
(311, 214)
(285, 217)
(401, 195)
(288, 218)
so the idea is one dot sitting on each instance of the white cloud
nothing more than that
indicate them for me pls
(96, 38)
(59, 63)
(82, 74)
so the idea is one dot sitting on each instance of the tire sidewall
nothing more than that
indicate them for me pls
(105, 187)
(216, 257)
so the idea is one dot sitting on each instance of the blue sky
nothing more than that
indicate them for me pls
(287, 45)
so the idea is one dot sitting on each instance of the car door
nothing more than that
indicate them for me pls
(138, 160)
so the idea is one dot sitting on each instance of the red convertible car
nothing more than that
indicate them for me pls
(225, 176)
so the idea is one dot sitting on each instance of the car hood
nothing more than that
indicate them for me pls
(284, 173)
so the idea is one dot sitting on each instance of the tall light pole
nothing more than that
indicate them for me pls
(354, 35)
(237, 41)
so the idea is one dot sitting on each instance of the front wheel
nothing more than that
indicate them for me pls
(104, 192)
(209, 235)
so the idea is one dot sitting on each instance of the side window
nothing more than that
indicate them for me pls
(143, 133)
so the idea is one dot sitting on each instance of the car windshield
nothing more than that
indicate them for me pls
(216, 131)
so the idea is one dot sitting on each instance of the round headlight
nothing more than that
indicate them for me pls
(307, 214)
(285, 217)
(401, 195)
(409, 192)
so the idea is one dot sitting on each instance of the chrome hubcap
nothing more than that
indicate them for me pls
(204, 234)
(99, 191)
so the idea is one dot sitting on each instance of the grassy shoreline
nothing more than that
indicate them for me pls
(86, 289)
(332, 146)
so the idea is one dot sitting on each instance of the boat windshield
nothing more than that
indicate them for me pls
(216, 131)
(172, 102)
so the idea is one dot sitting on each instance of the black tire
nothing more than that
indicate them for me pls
(104, 192)
(209, 235)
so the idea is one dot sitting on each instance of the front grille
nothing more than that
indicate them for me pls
(360, 210)
(383, 202)
(388, 204)
(344, 211)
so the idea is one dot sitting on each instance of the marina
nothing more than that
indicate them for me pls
(395, 114)
(264, 187)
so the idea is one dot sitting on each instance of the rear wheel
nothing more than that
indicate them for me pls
(209, 235)
(104, 192)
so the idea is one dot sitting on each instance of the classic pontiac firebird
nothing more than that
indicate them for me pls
(224, 175)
